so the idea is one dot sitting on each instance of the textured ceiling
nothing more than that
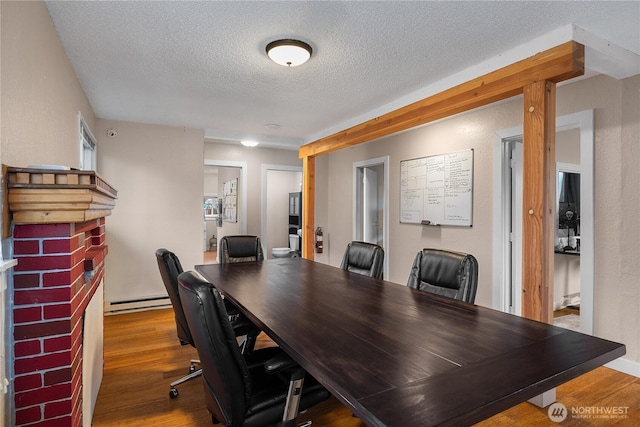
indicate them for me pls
(203, 65)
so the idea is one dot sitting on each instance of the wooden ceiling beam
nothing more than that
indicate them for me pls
(557, 64)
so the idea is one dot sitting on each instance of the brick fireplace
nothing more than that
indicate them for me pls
(59, 244)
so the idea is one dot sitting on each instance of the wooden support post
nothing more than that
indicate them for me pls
(308, 205)
(538, 199)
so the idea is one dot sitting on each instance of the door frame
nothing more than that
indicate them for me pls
(584, 121)
(263, 209)
(516, 150)
(243, 186)
(384, 161)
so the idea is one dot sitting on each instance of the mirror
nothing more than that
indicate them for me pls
(568, 210)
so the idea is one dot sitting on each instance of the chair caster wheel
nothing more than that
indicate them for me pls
(192, 369)
(173, 393)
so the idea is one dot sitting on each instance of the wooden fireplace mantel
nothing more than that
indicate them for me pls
(47, 196)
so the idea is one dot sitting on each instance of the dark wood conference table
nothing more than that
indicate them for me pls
(401, 357)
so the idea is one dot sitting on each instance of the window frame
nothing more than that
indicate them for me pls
(88, 145)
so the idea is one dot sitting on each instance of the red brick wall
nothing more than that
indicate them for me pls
(59, 268)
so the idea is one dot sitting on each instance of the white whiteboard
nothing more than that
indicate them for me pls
(437, 190)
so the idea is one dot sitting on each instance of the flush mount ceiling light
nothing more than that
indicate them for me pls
(249, 143)
(288, 52)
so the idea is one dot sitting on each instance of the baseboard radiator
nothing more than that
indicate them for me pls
(115, 307)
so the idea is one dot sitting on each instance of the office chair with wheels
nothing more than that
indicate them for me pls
(170, 267)
(364, 258)
(265, 388)
(242, 248)
(447, 273)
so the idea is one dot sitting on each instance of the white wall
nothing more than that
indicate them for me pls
(568, 146)
(617, 202)
(158, 172)
(41, 95)
(472, 130)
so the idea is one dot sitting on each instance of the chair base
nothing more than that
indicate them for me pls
(292, 423)
(293, 401)
(193, 373)
(247, 343)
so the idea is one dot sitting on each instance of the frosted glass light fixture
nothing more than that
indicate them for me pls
(249, 142)
(288, 52)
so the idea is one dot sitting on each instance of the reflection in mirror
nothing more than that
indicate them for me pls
(568, 211)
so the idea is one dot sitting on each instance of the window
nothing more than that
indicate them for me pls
(211, 207)
(87, 147)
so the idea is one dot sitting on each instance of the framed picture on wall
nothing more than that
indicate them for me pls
(230, 200)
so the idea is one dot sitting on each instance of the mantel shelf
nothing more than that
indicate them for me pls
(46, 196)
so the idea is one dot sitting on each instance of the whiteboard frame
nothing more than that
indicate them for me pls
(426, 221)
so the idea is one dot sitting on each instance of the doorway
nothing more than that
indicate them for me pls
(216, 173)
(371, 204)
(278, 181)
(507, 238)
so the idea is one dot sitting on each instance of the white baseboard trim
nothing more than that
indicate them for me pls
(625, 366)
(113, 307)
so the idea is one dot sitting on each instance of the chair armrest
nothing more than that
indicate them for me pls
(232, 310)
(243, 326)
(279, 363)
(259, 357)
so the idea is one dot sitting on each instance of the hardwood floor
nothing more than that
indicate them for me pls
(142, 356)
(210, 257)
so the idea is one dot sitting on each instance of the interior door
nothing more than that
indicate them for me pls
(371, 203)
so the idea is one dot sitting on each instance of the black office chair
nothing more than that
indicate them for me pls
(257, 391)
(170, 267)
(447, 273)
(242, 248)
(364, 258)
